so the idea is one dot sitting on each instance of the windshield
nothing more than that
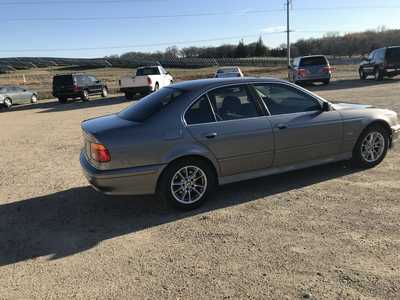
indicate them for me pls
(147, 71)
(148, 106)
(313, 61)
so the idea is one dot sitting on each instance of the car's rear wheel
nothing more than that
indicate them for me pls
(187, 183)
(128, 96)
(34, 98)
(362, 74)
(7, 103)
(378, 74)
(326, 81)
(104, 92)
(85, 95)
(371, 147)
(62, 100)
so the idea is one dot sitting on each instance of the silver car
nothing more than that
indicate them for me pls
(184, 140)
(310, 69)
(228, 72)
(10, 95)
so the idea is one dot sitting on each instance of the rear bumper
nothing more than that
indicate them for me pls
(395, 138)
(130, 181)
(317, 77)
(138, 89)
(59, 94)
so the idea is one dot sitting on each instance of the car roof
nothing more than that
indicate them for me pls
(144, 67)
(311, 56)
(201, 84)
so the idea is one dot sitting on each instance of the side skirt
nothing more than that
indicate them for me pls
(273, 171)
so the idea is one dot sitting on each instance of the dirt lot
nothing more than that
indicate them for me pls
(331, 232)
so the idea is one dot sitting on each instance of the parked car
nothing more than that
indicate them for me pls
(74, 86)
(184, 140)
(10, 95)
(228, 72)
(310, 69)
(146, 80)
(380, 63)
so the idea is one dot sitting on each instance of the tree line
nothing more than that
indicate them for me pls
(332, 44)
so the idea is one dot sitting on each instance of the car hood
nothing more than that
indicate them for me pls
(349, 106)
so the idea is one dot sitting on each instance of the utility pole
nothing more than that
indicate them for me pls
(288, 3)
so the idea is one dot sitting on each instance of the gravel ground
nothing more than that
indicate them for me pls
(331, 232)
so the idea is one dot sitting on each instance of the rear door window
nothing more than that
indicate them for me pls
(313, 61)
(234, 102)
(393, 55)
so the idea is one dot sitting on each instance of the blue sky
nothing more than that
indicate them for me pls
(51, 37)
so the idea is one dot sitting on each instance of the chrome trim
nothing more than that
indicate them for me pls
(316, 97)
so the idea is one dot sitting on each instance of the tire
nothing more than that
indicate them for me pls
(62, 100)
(369, 155)
(156, 87)
(128, 96)
(34, 98)
(362, 74)
(326, 81)
(378, 74)
(104, 92)
(176, 195)
(7, 103)
(85, 95)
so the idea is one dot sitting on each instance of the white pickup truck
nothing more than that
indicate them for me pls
(147, 80)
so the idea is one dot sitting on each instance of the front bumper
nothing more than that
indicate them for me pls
(129, 181)
(395, 138)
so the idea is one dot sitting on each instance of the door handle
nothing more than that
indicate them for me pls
(211, 135)
(281, 126)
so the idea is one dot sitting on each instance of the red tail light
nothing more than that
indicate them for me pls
(149, 81)
(328, 69)
(99, 153)
(302, 72)
(76, 88)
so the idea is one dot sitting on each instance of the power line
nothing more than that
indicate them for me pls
(204, 14)
(74, 2)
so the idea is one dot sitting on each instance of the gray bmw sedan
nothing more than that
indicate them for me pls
(186, 139)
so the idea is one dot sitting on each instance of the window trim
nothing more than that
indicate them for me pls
(320, 101)
(192, 104)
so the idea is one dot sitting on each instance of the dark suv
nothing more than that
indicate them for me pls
(77, 86)
(380, 63)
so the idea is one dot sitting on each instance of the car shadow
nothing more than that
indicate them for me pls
(75, 220)
(54, 106)
(343, 84)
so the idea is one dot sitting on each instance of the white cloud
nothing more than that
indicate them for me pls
(273, 29)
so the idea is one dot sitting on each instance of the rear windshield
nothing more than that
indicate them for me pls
(63, 80)
(393, 54)
(313, 61)
(147, 71)
(227, 70)
(150, 105)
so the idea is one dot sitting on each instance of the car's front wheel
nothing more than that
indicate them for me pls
(371, 147)
(187, 183)
(104, 92)
(362, 74)
(378, 74)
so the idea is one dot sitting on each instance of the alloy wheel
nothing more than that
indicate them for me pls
(372, 147)
(189, 184)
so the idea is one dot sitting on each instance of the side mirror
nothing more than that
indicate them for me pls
(326, 106)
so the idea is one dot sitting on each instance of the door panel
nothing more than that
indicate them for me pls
(306, 136)
(239, 145)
